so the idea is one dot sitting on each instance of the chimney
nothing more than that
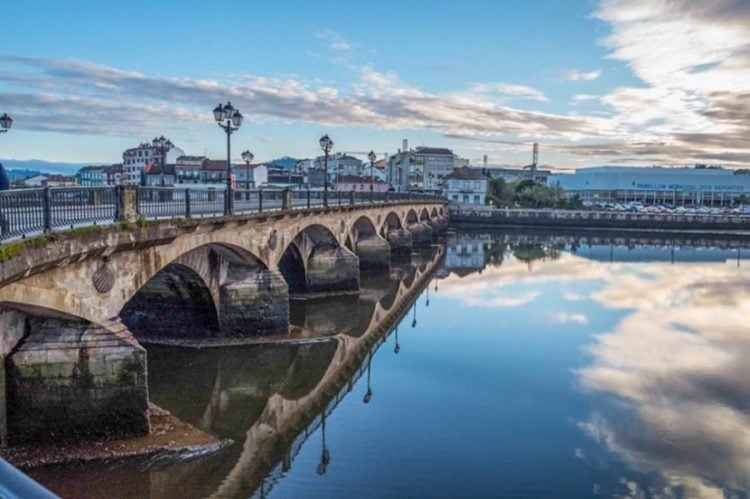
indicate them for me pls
(405, 147)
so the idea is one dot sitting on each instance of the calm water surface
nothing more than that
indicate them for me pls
(531, 366)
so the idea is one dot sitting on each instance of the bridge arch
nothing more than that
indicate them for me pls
(315, 261)
(424, 215)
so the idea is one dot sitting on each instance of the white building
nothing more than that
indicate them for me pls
(134, 161)
(466, 186)
(250, 176)
(699, 186)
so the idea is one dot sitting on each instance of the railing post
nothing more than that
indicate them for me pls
(47, 210)
(351, 197)
(118, 204)
(187, 203)
(308, 198)
(260, 199)
(340, 197)
(286, 202)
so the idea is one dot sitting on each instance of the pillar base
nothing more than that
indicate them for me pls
(400, 241)
(374, 254)
(421, 234)
(332, 270)
(71, 380)
(253, 302)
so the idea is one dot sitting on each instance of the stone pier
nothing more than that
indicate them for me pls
(421, 234)
(400, 241)
(69, 379)
(253, 302)
(332, 270)
(374, 254)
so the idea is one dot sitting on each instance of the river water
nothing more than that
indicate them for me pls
(527, 365)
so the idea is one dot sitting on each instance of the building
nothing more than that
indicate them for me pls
(466, 186)
(360, 184)
(97, 176)
(134, 161)
(158, 176)
(188, 169)
(251, 176)
(113, 175)
(35, 181)
(282, 177)
(422, 169)
(511, 174)
(698, 186)
(213, 172)
(434, 163)
(91, 176)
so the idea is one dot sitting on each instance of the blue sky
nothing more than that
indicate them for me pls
(610, 81)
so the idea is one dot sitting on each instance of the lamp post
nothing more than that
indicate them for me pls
(230, 119)
(5, 123)
(248, 157)
(163, 145)
(326, 144)
(372, 157)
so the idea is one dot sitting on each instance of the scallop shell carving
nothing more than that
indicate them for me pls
(103, 279)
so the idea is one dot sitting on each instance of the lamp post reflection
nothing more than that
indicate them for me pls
(396, 347)
(414, 318)
(427, 301)
(368, 393)
(325, 455)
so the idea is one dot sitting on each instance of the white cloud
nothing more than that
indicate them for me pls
(568, 318)
(577, 75)
(334, 40)
(509, 89)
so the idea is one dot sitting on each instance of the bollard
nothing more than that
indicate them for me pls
(286, 202)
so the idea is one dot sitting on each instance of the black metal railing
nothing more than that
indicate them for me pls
(32, 211)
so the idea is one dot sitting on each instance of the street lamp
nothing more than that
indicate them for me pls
(326, 144)
(163, 146)
(372, 157)
(5, 123)
(248, 157)
(230, 119)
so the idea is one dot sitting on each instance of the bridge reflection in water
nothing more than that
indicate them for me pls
(268, 398)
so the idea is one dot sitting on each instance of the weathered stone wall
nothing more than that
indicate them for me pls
(331, 270)
(69, 379)
(253, 302)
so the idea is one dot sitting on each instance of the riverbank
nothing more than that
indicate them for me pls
(683, 224)
(169, 438)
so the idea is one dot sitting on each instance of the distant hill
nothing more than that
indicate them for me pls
(38, 165)
(285, 162)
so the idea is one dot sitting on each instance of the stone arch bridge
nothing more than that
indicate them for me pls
(74, 309)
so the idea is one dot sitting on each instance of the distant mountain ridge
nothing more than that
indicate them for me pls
(39, 165)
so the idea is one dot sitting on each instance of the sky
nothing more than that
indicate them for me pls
(594, 82)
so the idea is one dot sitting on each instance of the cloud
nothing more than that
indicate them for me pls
(509, 89)
(335, 41)
(577, 75)
(678, 375)
(75, 97)
(568, 318)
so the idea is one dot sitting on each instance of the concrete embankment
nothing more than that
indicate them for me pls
(707, 224)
